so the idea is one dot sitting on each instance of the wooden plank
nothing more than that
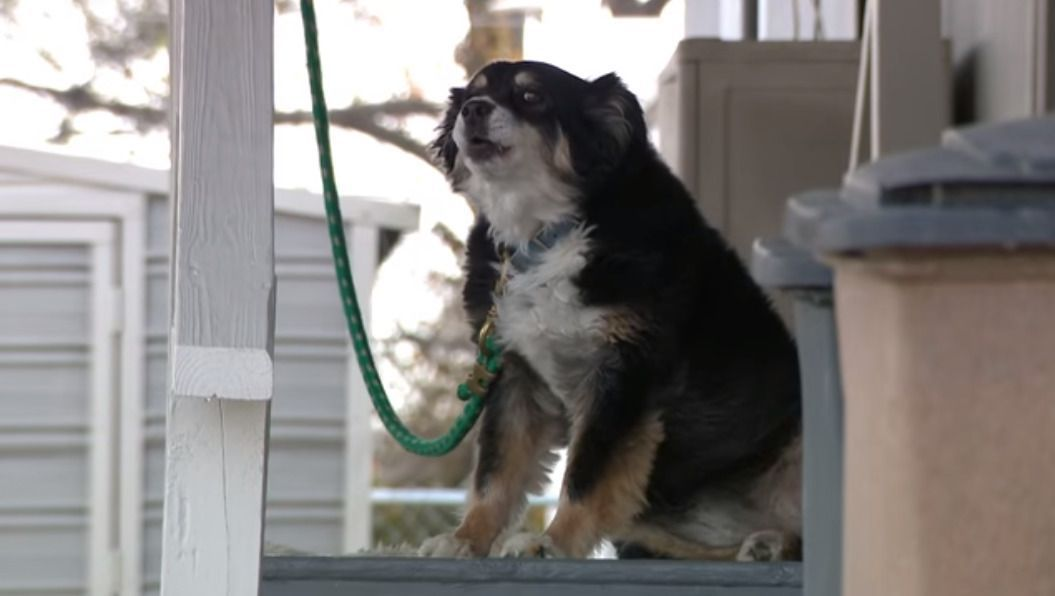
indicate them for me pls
(224, 270)
(223, 298)
(214, 497)
(288, 576)
(227, 373)
(910, 106)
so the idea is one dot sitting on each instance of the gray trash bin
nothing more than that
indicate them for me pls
(944, 264)
(778, 264)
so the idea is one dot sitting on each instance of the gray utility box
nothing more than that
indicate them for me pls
(746, 124)
(944, 265)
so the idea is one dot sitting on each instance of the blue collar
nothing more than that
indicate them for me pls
(530, 254)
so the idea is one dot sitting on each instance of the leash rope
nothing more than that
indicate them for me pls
(489, 358)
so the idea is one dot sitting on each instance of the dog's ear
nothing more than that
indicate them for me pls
(443, 147)
(616, 114)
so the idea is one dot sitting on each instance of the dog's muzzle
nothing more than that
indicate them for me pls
(476, 116)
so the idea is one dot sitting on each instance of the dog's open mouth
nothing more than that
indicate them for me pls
(482, 149)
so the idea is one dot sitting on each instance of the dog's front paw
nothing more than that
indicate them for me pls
(446, 546)
(527, 546)
(767, 546)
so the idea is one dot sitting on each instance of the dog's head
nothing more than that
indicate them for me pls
(526, 140)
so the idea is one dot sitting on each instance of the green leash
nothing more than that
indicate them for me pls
(488, 360)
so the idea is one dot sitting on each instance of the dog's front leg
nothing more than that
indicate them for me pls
(614, 442)
(522, 423)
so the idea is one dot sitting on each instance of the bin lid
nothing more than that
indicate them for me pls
(777, 263)
(1001, 163)
(1026, 145)
(989, 185)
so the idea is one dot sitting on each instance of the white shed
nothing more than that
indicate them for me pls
(84, 248)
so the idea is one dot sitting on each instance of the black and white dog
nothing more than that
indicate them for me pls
(631, 333)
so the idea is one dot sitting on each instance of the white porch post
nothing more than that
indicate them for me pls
(223, 292)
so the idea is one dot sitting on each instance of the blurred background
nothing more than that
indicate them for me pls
(748, 102)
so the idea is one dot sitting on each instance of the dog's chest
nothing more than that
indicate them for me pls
(542, 317)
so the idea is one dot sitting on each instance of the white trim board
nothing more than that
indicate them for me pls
(100, 238)
(359, 448)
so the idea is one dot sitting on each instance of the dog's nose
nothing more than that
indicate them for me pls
(476, 111)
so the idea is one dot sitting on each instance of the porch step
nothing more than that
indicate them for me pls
(348, 576)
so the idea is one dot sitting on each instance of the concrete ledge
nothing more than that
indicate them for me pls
(333, 576)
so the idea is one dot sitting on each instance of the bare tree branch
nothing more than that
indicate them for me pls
(81, 98)
(139, 30)
(364, 118)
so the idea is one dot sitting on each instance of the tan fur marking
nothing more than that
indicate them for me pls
(562, 155)
(524, 79)
(615, 501)
(622, 325)
(478, 82)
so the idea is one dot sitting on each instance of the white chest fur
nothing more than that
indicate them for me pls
(541, 316)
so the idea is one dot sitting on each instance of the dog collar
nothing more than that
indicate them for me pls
(531, 253)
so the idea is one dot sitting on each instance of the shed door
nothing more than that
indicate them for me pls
(58, 332)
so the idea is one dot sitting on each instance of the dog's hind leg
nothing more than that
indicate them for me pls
(521, 426)
(645, 540)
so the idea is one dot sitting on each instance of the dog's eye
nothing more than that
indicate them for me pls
(531, 97)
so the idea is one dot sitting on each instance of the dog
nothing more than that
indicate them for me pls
(631, 333)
